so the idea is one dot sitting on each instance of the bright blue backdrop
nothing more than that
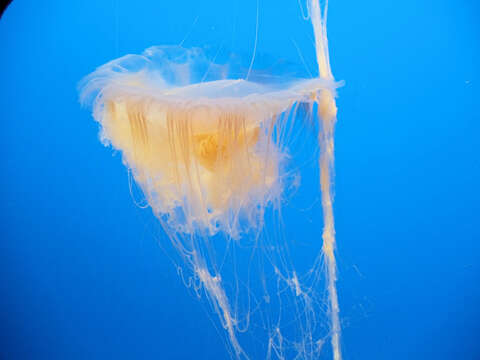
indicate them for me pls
(83, 277)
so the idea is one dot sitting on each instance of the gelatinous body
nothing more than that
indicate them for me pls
(209, 150)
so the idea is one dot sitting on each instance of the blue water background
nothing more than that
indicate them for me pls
(83, 277)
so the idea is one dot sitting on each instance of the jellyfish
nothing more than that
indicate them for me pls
(207, 143)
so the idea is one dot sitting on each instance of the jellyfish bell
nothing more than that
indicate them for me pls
(208, 142)
(202, 152)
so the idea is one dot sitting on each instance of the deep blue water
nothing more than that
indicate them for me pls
(82, 275)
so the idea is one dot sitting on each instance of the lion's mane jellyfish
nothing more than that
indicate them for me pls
(207, 144)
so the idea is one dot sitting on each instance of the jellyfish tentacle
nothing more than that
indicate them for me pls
(327, 113)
